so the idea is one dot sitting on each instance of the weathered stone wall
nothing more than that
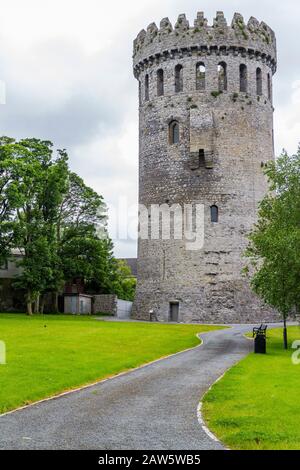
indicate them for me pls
(236, 130)
(105, 304)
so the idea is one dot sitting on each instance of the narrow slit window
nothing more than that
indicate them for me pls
(269, 87)
(200, 76)
(160, 82)
(178, 78)
(201, 158)
(174, 132)
(140, 92)
(147, 87)
(259, 88)
(243, 78)
(222, 76)
(214, 214)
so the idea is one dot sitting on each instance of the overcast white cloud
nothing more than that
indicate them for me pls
(68, 73)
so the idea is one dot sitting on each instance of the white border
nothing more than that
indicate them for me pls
(202, 424)
(200, 406)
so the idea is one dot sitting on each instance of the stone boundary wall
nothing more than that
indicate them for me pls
(105, 304)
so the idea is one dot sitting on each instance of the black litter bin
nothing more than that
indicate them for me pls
(260, 344)
(260, 339)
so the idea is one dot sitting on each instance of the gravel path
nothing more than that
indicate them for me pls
(154, 407)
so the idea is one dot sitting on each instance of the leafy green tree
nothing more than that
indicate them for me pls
(84, 248)
(81, 208)
(56, 221)
(274, 246)
(8, 199)
(124, 284)
(33, 194)
(88, 258)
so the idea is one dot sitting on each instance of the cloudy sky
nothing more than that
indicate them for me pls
(68, 74)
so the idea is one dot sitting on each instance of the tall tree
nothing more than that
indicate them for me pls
(33, 194)
(8, 199)
(57, 222)
(274, 246)
(84, 248)
(124, 284)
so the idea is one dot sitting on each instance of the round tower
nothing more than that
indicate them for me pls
(206, 133)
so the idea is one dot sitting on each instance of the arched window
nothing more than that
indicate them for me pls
(174, 132)
(269, 87)
(243, 78)
(160, 82)
(147, 87)
(259, 90)
(222, 76)
(178, 78)
(214, 214)
(200, 76)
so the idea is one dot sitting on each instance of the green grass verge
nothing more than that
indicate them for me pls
(50, 354)
(256, 405)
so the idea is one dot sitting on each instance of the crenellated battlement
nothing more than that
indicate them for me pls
(254, 38)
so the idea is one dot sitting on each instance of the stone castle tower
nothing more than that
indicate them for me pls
(206, 133)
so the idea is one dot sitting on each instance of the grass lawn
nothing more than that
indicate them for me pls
(256, 405)
(50, 354)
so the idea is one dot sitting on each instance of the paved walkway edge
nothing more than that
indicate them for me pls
(200, 417)
(84, 387)
(200, 406)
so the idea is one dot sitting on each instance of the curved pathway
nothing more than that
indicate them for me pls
(154, 407)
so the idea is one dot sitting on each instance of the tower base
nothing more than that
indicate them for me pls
(230, 303)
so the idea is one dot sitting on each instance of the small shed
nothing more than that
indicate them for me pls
(78, 304)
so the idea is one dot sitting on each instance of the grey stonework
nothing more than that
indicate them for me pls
(110, 304)
(235, 130)
(105, 303)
